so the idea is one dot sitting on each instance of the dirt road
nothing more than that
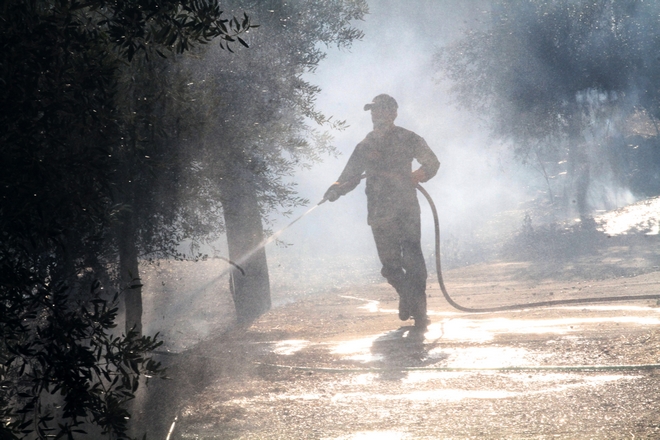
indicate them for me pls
(341, 366)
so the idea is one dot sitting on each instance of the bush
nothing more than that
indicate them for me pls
(62, 372)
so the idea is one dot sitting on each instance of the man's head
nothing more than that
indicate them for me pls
(383, 111)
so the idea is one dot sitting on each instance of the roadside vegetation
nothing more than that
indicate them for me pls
(131, 129)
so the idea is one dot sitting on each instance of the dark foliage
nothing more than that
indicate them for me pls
(62, 124)
(61, 368)
(64, 157)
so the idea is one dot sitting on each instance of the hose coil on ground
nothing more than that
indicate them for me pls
(457, 306)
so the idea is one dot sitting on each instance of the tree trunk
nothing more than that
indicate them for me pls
(129, 274)
(251, 290)
(579, 167)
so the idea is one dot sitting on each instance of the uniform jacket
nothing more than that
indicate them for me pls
(387, 161)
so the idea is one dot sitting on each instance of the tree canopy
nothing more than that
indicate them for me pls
(126, 134)
(561, 80)
(61, 146)
(259, 123)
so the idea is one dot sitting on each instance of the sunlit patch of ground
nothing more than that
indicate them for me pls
(640, 217)
(289, 347)
(372, 435)
(468, 330)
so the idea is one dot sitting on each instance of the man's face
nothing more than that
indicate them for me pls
(383, 117)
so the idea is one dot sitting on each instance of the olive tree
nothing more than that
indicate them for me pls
(561, 80)
(261, 124)
(62, 147)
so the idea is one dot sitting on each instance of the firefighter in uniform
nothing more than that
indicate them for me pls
(386, 157)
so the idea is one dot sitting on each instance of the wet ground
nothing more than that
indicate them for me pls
(341, 365)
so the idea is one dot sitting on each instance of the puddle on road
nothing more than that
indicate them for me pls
(484, 330)
(289, 347)
(396, 348)
(372, 435)
(476, 331)
(384, 348)
(358, 349)
(401, 348)
(486, 357)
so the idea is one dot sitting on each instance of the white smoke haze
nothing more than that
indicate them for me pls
(395, 57)
(332, 247)
(481, 191)
(498, 202)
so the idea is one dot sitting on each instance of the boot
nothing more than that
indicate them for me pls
(418, 311)
(404, 307)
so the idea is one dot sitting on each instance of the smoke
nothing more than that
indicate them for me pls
(481, 191)
(603, 133)
(476, 180)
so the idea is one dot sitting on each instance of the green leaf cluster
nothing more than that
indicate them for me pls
(62, 372)
(73, 142)
(258, 113)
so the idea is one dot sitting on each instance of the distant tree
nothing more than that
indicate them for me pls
(560, 79)
(64, 155)
(260, 117)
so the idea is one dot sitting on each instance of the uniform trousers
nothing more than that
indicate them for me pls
(398, 241)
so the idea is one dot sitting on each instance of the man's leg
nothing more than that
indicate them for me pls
(388, 245)
(414, 266)
(416, 274)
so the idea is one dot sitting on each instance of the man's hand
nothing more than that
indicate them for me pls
(419, 176)
(332, 193)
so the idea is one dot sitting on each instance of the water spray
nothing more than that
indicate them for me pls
(273, 237)
(239, 263)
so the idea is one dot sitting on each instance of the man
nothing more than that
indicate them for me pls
(386, 156)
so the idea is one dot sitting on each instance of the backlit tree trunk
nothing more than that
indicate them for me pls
(251, 290)
(129, 274)
(579, 168)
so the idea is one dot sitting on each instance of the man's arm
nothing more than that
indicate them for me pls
(349, 178)
(428, 160)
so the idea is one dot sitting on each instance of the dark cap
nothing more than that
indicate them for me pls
(382, 101)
